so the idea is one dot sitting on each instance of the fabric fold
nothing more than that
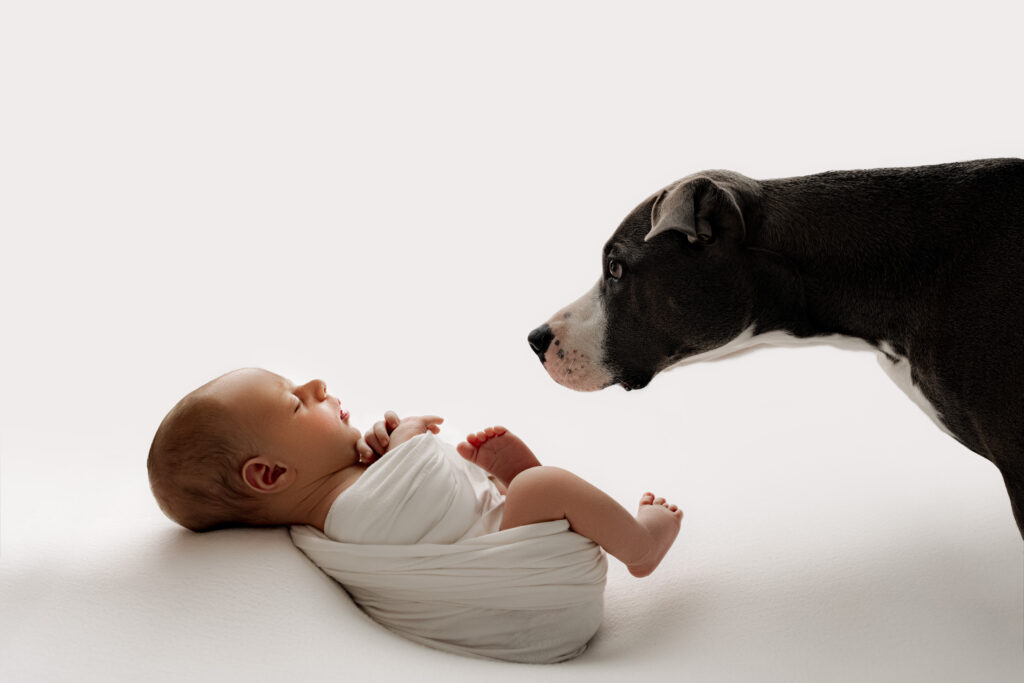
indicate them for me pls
(532, 593)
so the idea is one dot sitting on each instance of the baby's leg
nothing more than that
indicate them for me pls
(541, 494)
(499, 452)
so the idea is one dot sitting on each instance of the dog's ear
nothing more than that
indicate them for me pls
(700, 209)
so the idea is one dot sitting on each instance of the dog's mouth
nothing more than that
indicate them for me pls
(635, 382)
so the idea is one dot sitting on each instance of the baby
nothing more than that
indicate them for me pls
(468, 549)
(251, 448)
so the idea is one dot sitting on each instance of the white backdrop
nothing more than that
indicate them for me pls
(390, 196)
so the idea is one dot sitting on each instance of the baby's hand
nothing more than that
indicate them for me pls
(378, 439)
(413, 426)
(392, 431)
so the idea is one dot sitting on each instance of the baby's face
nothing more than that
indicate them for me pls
(302, 426)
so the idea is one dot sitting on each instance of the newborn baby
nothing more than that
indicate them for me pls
(251, 448)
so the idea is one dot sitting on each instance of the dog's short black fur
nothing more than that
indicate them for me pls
(926, 264)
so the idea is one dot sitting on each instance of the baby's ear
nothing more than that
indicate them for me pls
(263, 476)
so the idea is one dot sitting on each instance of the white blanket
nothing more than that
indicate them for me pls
(415, 542)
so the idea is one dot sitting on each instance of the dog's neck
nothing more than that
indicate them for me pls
(842, 270)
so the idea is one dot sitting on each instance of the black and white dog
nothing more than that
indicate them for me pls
(924, 265)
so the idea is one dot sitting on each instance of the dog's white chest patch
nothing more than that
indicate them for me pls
(897, 367)
(899, 371)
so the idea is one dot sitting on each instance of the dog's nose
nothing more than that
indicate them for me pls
(540, 339)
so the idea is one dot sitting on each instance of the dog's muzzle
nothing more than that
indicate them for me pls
(570, 344)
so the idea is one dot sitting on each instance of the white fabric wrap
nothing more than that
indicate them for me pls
(414, 541)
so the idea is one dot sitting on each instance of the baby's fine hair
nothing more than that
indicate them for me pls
(195, 465)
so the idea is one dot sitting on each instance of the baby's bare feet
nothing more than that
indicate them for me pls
(499, 452)
(662, 521)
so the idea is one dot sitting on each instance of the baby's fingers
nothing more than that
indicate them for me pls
(366, 454)
(379, 437)
(432, 422)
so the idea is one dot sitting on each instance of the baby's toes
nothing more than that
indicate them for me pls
(659, 501)
(647, 498)
(466, 450)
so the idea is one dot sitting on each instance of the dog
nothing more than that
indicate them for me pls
(924, 265)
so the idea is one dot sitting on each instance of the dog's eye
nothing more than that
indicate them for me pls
(614, 269)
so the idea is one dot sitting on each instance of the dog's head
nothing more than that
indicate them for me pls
(673, 285)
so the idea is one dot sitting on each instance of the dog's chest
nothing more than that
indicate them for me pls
(895, 365)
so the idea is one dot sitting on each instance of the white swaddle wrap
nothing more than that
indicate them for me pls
(415, 542)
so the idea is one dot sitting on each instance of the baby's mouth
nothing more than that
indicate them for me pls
(344, 414)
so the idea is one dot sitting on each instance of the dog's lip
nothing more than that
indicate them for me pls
(634, 383)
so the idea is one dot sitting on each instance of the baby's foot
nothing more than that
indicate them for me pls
(499, 452)
(662, 522)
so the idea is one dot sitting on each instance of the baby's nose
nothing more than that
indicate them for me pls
(315, 389)
(320, 389)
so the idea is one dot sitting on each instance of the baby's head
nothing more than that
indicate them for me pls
(248, 449)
